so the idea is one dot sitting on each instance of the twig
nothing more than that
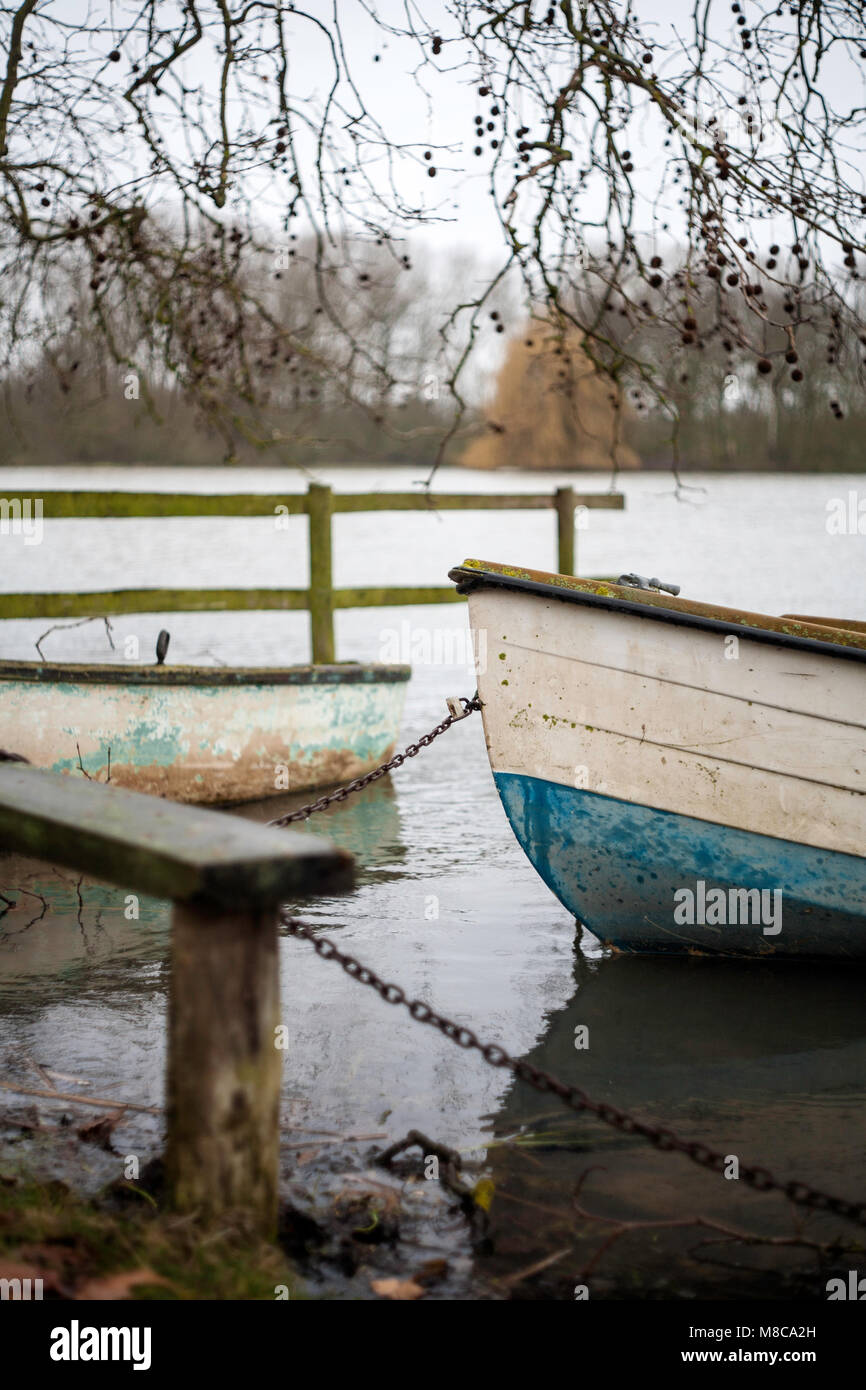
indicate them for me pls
(61, 627)
(535, 1268)
(81, 1100)
(81, 764)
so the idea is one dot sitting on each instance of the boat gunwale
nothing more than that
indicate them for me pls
(467, 579)
(96, 673)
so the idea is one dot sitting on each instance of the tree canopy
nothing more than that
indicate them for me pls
(215, 192)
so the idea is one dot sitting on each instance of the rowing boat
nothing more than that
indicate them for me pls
(684, 777)
(203, 733)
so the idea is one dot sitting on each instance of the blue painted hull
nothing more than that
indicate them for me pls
(646, 880)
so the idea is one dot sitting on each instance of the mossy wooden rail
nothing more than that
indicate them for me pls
(320, 504)
(225, 877)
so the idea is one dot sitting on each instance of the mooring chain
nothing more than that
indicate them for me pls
(664, 1139)
(469, 706)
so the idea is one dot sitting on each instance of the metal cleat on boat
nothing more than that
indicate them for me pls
(637, 581)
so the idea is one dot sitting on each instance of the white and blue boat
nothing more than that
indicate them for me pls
(684, 777)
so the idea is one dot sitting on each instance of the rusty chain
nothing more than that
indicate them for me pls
(666, 1140)
(469, 707)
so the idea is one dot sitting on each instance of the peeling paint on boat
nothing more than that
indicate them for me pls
(208, 740)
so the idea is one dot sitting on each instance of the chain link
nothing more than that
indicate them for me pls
(667, 1140)
(469, 707)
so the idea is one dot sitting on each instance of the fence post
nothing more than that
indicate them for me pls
(223, 1082)
(567, 560)
(320, 510)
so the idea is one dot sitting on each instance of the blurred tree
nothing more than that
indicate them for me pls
(154, 152)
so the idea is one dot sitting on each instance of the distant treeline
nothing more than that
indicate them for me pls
(710, 401)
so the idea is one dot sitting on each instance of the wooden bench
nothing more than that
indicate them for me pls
(225, 877)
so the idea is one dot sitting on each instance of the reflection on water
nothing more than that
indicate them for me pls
(763, 1061)
(57, 925)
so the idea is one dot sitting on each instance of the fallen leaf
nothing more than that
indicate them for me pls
(100, 1130)
(431, 1271)
(116, 1286)
(482, 1193)
(402, 1290)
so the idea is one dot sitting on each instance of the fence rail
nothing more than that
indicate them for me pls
(320, 504)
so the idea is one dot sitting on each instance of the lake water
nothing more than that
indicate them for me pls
(759, 1059)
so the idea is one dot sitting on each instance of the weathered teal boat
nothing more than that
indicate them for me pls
(203, 733)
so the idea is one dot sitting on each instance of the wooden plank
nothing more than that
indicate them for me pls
(66, 504)
(58, 504)
(565, 540)
(321, 595)
(467, 501)
(382, 598)
(109, 602)
(148, 845)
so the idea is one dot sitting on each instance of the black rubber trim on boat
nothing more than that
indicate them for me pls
(467, 580)
(94, 673)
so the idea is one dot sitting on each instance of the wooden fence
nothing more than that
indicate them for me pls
(225, 877)
(320, 504)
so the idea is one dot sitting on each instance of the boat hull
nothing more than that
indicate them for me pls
(680, 785)
(204, 735)
(652, 881)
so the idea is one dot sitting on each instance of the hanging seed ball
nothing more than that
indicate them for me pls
(850, 262)
(647, 58)
(494, 314)
(655, 281)
(478, 150)
(774, 250)
(428, 154)
(688, 338)
(791, 356)
(114, 56)
(437, 45)
(771, 263)
(764, 365)
(796, 374)
(656, 262)
(500, 328)
(732, 279)
(431, 172)
(45, 202)
(529, 342)
(690, 323)
(484, 91)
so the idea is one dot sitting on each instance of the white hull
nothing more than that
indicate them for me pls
(772, 740)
